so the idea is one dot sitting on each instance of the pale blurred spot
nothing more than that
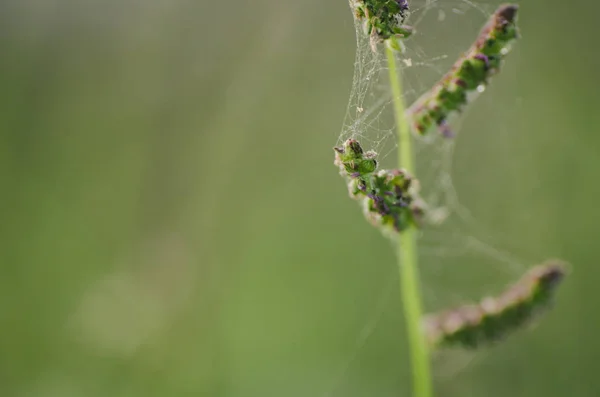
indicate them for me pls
(134, 306)
(53, 385)
(441, 15)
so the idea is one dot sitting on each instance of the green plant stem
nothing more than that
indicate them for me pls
(407, 250)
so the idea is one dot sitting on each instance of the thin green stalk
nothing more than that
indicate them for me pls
(407, 250)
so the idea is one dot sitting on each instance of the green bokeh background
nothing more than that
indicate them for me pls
(171, 223)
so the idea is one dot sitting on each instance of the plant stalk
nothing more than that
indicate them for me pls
(410, 288)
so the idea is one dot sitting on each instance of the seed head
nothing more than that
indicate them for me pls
(383, 20)
(472, 326)
(389, 197)
(469, 74)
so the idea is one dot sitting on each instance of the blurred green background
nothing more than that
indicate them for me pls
(172, 225)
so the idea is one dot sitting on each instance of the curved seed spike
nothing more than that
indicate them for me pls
(476, 325)
(389, 197)
(469, 75)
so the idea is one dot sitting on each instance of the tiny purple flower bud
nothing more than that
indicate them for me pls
(484, 58)
(403, 4)
(446, 131)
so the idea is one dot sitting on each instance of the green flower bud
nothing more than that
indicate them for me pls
(389, 197)
(383, 20)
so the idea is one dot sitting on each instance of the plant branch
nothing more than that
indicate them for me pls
(407, 249)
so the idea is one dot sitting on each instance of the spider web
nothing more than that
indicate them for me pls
(453, 235)
(369, 119)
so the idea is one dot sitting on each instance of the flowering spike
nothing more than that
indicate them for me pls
(475, 325)
(389, 197)
(469, 75)
(383, 20)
